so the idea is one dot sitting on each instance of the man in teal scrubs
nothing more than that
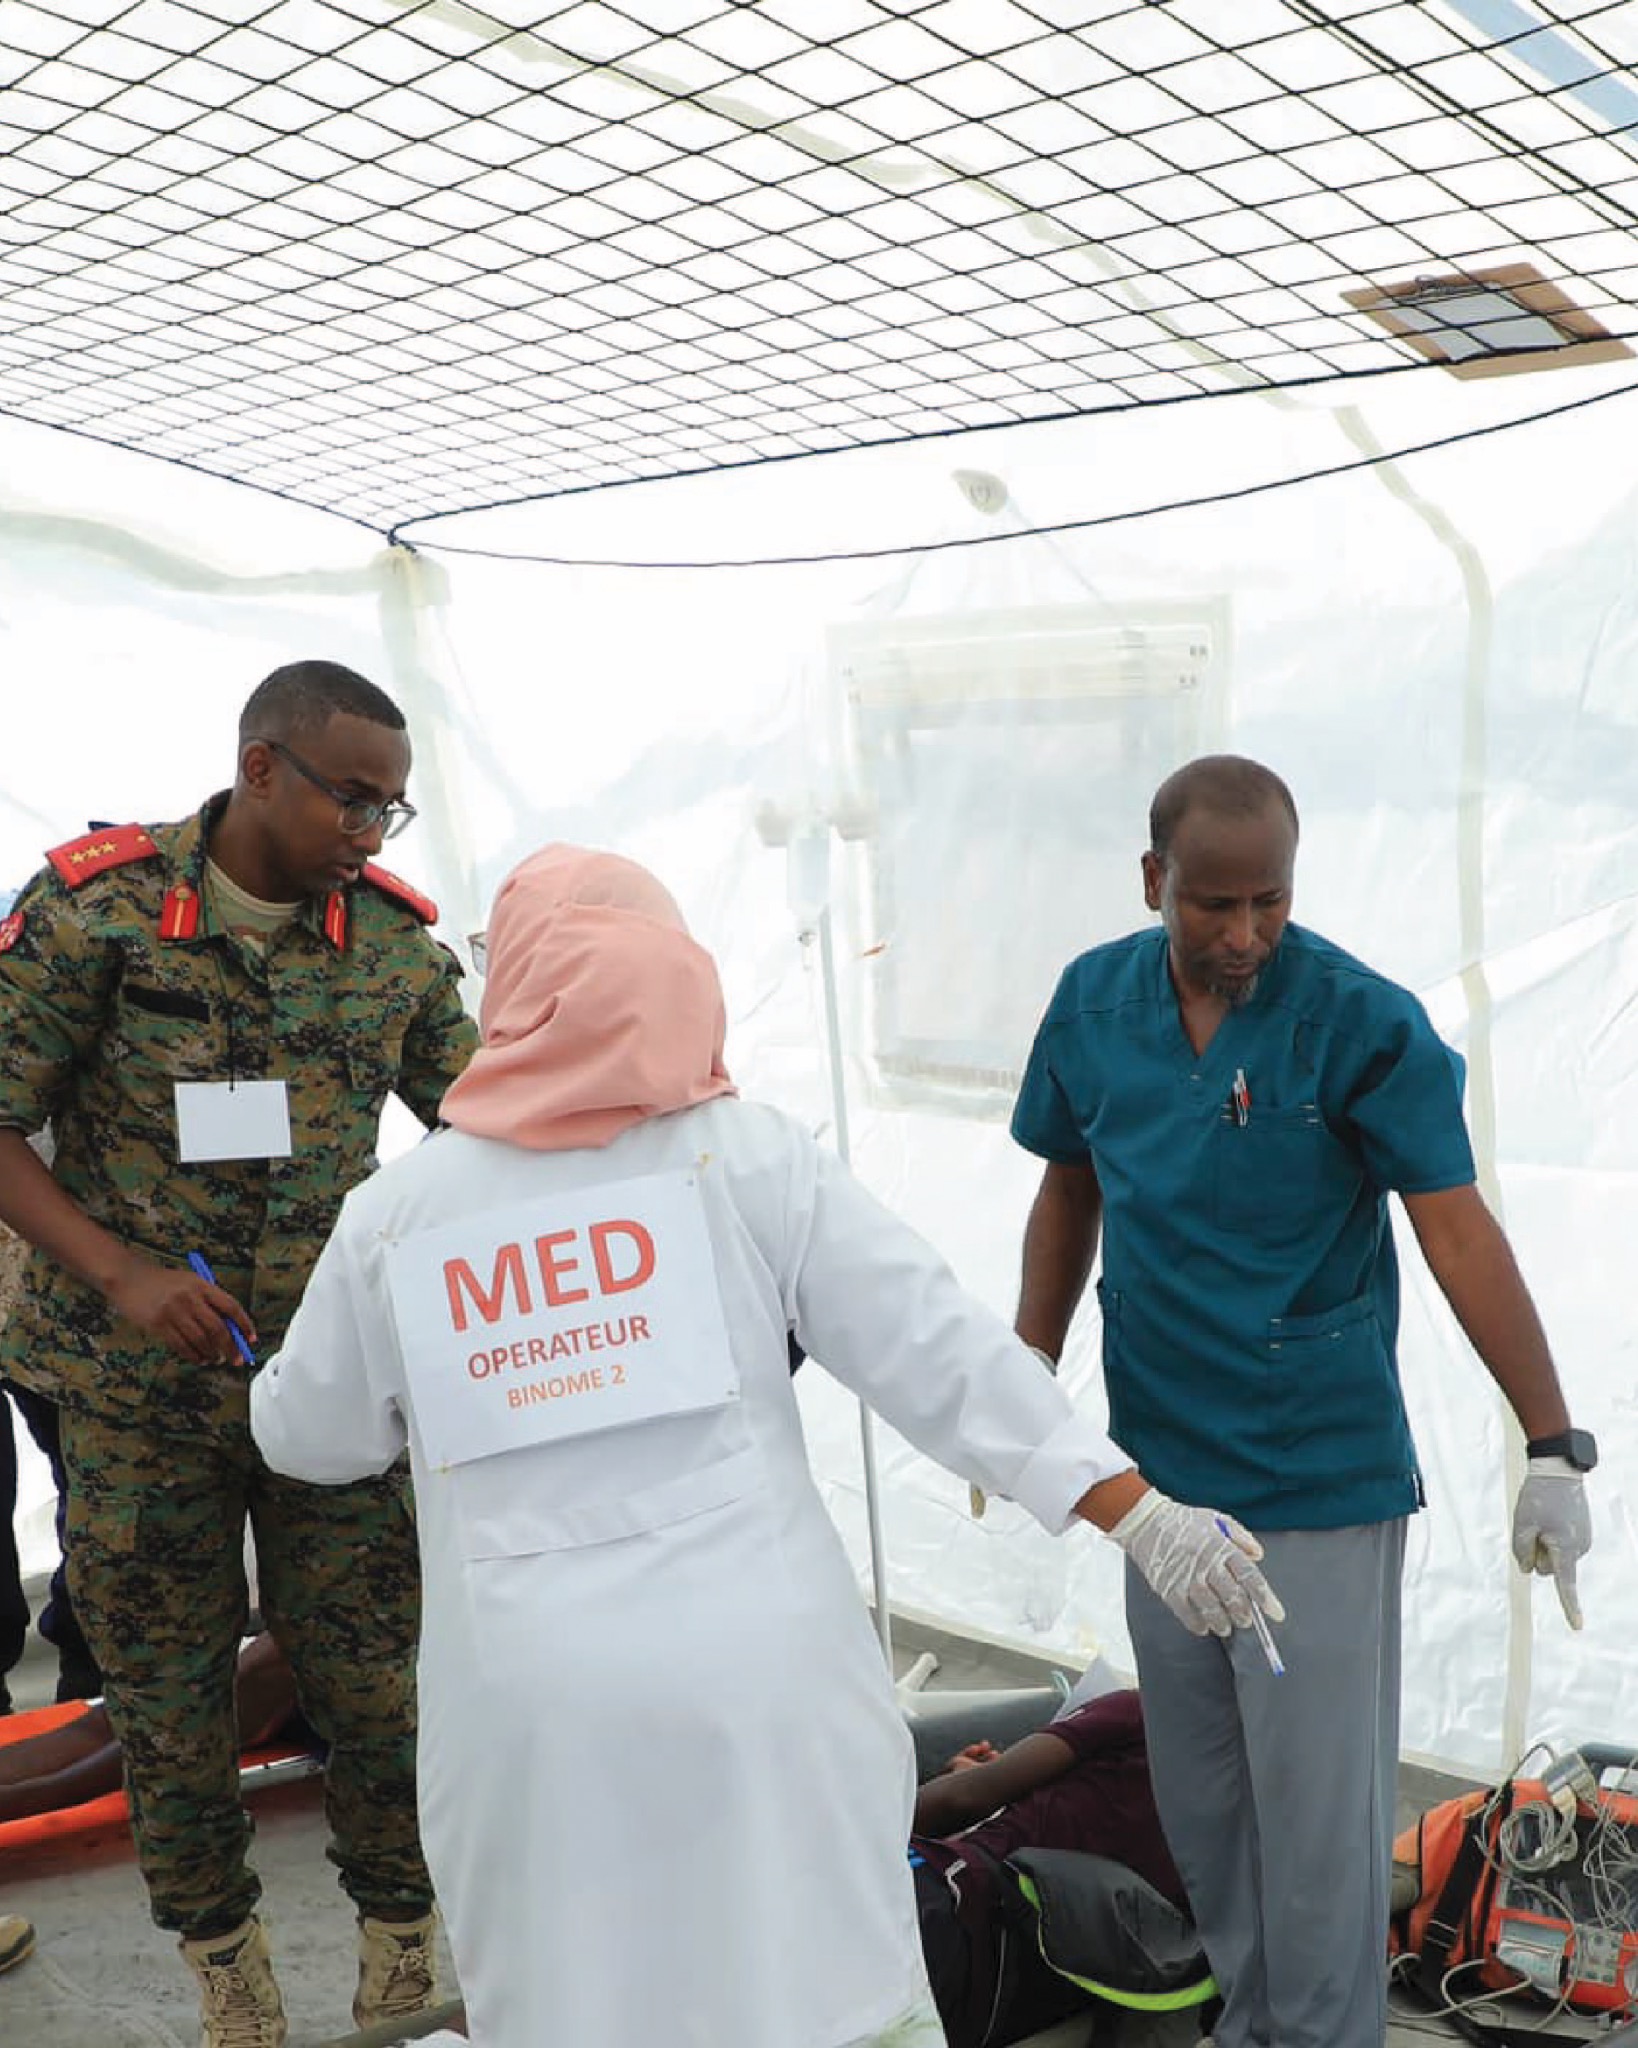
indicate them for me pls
(1228, 1101)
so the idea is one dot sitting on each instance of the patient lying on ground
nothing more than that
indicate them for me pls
(1081, 1783)
(79, 1759)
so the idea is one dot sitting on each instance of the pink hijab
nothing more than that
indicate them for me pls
(598, 1009)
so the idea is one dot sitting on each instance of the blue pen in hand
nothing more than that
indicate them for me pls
(197, 1261)
(1259, 1621)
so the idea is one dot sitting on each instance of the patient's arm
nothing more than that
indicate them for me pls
(68, 1765)
(62, 1767)
(960, 1797)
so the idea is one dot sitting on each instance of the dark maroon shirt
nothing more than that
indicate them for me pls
(1103, 1804)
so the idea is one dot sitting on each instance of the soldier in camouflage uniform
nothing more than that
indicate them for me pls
(13, 1596)
(251, 942)
(77, 1675)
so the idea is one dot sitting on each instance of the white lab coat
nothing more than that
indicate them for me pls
(665, 1789)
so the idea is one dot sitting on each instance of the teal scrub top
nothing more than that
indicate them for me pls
(1250, 1292)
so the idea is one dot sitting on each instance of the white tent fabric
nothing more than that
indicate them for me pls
(1439, 654)
(603, 267)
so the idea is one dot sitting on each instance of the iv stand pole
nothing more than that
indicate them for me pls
(867, 1437)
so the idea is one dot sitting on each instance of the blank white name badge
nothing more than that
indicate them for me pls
(586, 1309)
(232, 1120)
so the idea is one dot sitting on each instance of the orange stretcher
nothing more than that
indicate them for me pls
(268, 1763)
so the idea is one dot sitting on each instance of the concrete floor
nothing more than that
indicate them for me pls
(104, 1977)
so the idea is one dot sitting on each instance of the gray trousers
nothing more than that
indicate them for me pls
(1277, 1794)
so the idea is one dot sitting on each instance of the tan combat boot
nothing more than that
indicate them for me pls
(16, 1940)
(239, 2000)
(397, 1970)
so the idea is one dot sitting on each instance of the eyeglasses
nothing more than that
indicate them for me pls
(358, 813)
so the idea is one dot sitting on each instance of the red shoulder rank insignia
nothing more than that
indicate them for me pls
(80, 859)
(11, 930)
(400, 891)
(179, 913)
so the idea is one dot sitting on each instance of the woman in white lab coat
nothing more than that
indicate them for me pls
(665, 1789)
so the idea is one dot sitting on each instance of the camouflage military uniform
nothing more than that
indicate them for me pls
(13, 1599)
(113, 987)
(78, 1676)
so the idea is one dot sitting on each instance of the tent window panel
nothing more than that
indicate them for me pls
(1007, 760)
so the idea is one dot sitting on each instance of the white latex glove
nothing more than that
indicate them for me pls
(1200, 1562)
(1552, 1528)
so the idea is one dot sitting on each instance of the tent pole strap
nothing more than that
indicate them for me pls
(1481, 1066)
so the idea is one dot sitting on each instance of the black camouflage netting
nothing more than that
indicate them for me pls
(396, 261)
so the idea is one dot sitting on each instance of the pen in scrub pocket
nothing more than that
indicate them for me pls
(199, 1265)
(1259, 1621)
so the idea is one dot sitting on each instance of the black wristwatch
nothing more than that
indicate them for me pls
(1579, 1446)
